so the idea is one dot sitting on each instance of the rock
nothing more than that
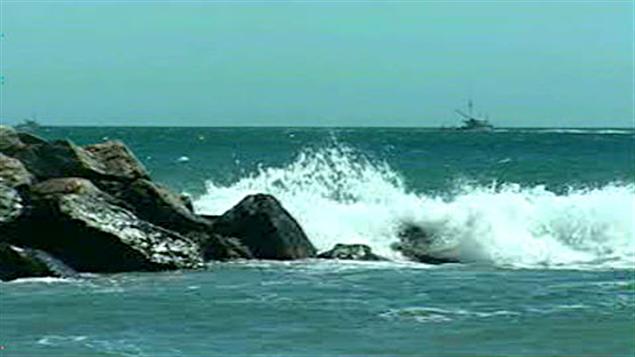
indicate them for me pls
(118, 160)
(62, 158)
(30, 139)
(156, 204)
(84, 227)
(266, 228)
(18, 263)
(420, 246)
(13, 173)
(216, 247)
(351, 252)
(11, 207)
(9, 140)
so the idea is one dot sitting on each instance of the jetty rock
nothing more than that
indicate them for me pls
(62, 158)
(18, 263)
(11, 208)
(156, 204)
(360, 252)
(419, 245)
(13, 173)
(89, 231)
(262, 225)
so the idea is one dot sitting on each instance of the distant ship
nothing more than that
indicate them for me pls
(472, 122)
(28, 125)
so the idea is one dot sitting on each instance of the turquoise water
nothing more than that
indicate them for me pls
(545, 218)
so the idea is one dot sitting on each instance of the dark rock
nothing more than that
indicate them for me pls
(84, 227)
(9, 140)
(351, 252)
(266, 228)
(420, 246)
(11, 207)
(18, 263)
(216, 247)
(13, 173)
(156, 204)
(30, 139)
(62, 158)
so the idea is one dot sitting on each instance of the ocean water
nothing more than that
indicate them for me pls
(544, 218)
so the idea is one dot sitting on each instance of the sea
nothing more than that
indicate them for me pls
(543, 218)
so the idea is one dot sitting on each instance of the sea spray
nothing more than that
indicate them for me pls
(339, 195)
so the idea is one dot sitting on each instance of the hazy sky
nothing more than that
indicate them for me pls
(346, 63)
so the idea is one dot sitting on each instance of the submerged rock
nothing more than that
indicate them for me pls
(351, 252)
(418, 245)
(89, 231)
(266, 228)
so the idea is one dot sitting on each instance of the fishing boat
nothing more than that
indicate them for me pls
(472, 121)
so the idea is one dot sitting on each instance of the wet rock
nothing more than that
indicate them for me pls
(87, 229)
(216, 247)
(11, 207)
(419, 245)
(156, 204)
(13, 173)
(18, 263)
(266, 228)
(351, 252)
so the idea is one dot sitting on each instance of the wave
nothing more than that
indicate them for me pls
(339, 195)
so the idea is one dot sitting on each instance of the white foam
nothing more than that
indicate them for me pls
(339, 196)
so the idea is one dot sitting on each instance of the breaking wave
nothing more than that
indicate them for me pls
(340, 196)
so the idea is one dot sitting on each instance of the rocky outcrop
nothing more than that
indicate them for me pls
(67, 209)
(266, 228)
(89, 231)
(351, 252)
(418, 245)
(13, 173)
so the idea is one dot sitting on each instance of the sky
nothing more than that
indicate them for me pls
(317, 63)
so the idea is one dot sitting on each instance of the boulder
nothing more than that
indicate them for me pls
(117, 160)
(62, 158)
(88, 230)
(351, 252)
(11, 207)
(216, 247)
(13, 173)
(18, 263)
(9, 140)
(419, 245)
(265, 228)
(156, 204)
